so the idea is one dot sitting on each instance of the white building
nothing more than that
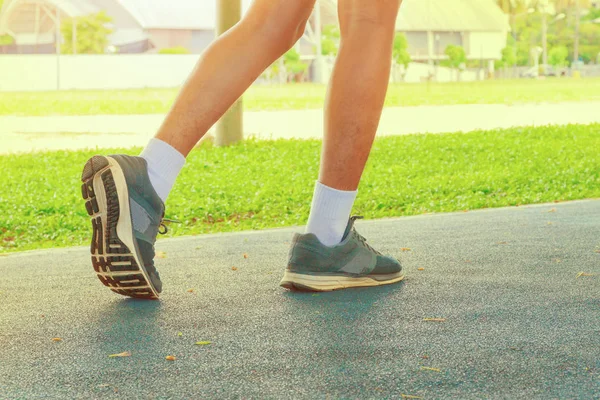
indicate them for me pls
(33, 24)
(140, 25)
(479, 26)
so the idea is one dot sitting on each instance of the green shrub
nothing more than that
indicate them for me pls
(174, 50)
(6, 40)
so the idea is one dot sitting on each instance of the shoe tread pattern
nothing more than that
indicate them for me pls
(112, 260)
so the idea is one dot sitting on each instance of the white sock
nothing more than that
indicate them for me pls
(329, 213)
(164, 164)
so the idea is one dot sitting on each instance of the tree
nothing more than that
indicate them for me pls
(293, 65)
(456, 58)
(174, 50)
(566, 5)
(513, 7)
(275, 72)
(557, 57)
(6, 40)
(505, 5)
(330, 39)
(589, 41)
(528, 28)
(91, 34)
(561, 33)
(592, 15)
(456, 55)
(400, 55)
(508, 58)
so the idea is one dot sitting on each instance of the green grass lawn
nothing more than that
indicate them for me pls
(257, 185)
(303, 96)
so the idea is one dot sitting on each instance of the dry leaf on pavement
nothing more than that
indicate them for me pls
(123, 354)
(431, 369)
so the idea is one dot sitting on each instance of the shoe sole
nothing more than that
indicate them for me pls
(327, 283)
(115, 254)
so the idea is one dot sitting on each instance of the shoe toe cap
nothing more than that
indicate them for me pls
(156, 282)
(387, 265)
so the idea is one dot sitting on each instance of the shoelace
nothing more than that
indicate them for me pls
(363, 240)
(360, 237)
(164, 226)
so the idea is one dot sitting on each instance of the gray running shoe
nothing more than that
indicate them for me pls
(126, 216)
(352, 263)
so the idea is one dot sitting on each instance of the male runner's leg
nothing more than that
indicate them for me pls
(125, 195)
(332, 255)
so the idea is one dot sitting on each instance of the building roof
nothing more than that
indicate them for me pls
(18, 16)
(68, 7)
(132, 17)
(121, 17)
(195, 14)
(415, 15)
(175, 14)
(452, 15)
(439, 15)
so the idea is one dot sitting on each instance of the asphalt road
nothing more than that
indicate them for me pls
(520, 320)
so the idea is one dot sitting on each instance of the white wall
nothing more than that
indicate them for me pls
(39, 72)
(419, 72)
(486, 45)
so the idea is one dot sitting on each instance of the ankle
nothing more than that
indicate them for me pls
(329, 213)
(164, 165)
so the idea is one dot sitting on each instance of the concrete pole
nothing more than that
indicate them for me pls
(430, 50)
(514, 28)
(74, 35)
(57, 46)
(577, 23)
(229, 129)
(544, 40)
(37, 26)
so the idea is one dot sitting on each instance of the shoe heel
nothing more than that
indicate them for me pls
(92, 166)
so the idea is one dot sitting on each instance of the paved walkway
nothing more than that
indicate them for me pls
(521, 321)
(24, 134)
